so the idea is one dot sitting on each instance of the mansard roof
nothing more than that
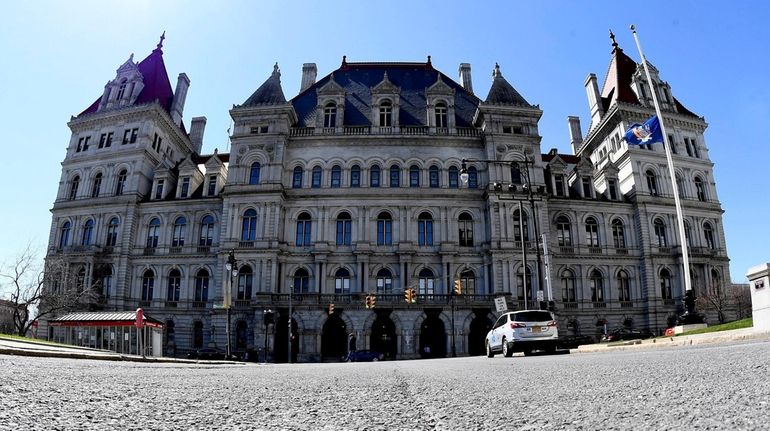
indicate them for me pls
(502, 92)
(156, 83)
(412, 79)
(269, 93)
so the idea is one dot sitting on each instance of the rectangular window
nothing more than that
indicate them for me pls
(134, 132)
(185, 187)
(384, 232)
(613, 190)
(355, 178)
(695, 148)
(672, 143)
(343, 232)
(159, 190)
(80, 145)
(154, 141)
(126, 136)
(559, 182)
(85, 143)
(587, 187)
(212, 185)
(507, 129)
(102, 140)
(109, 140)
(518, 130)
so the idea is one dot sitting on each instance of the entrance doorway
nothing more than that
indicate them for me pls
(334, 339)
(280, 345)
(432, 336)
(479, 327)
(383, 338)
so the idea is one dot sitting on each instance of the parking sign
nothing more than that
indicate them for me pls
(500, 304)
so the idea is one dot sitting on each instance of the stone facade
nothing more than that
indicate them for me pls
(355, 187)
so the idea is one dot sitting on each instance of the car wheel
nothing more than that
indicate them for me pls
(490, 353)
(507, 352)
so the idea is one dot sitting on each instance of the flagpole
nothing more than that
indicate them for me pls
(667, 147)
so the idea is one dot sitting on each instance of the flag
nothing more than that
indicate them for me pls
(647, 133)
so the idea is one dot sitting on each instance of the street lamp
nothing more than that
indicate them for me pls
(531, 193)
(232, 268)
(268, 319)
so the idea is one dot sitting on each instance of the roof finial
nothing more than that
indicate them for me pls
(276, 69)
(162, 36)
(612, 36)
(496, 72)
(429, 59)
(344, 60)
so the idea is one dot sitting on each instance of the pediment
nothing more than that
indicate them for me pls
(331, 88)
(386, 87)
(584, 165)
(129, 69)
(557, 164)
(440, 88)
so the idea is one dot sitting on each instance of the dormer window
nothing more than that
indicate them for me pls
(258, 129)
(386, 114)
(185, 187)
(441, 115)
(330, 115)
(613, 190)
(212, 185)
(586, 182)
(121, 90)
(159, 190)
(559, 188)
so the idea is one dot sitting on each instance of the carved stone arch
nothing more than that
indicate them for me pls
(348, 165)
(324, 317)
(375, 268)
(417, 212)
(295, 213)
(375, 213)
(291, 269)
(180, 268)
(416, 268)
(559, 214)
(337, 211)
(378, 161)
(331, 269)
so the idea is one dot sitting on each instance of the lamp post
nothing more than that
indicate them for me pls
(268, 319)
(232, 268)
(528, 189)
(454, 350)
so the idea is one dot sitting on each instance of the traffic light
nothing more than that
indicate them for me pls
(331, 308)
(410, 295)
(371, 300)
(458, 287)
(368, 301)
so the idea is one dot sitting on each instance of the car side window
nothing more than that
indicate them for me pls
(501, 321)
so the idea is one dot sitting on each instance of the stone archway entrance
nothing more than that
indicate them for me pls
(334, 338)
(280, 344)
(383, 337)
(432, 336)
(477, 334)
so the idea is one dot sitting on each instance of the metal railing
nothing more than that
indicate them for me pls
(388, 130)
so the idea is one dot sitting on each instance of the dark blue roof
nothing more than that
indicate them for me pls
(413, 79)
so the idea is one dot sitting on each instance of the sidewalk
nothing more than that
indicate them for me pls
(744, 334)
(11, 346)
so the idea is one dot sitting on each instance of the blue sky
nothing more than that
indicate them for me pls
(59, 55)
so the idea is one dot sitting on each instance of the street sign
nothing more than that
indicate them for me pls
(500, 304)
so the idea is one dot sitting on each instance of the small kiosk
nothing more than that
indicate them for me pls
(109, 330)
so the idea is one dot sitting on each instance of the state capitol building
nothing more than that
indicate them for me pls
(375, 179)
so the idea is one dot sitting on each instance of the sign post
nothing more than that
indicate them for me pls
(139, 327)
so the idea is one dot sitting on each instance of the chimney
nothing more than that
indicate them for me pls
(575, 134)
(177, 106)
(594, 99)
(309, 73)
(465, 77)
(197, 126)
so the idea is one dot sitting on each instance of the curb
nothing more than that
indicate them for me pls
(106, 357)
(680, 341)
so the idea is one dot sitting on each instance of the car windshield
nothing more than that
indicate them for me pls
(532, 316)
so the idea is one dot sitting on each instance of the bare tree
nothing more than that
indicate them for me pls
(715, 299)
(37, 291)
(741, 296)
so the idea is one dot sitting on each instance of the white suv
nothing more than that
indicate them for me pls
(522, 331)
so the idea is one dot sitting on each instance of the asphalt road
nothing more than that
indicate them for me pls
(714, 387)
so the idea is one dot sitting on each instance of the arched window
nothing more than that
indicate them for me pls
(660, 232)
(97, 186)
(687, 235)
(152, 233)
(336, 176)
(414, 176)
(81, 279)
(592, 232)
(88, 231)
(700, 189)
(304, 226)
(523, 292)
(624, 290)
(563, 231)
(249, 225)
(386, 114)
(316, 178)
(330, 115)
(74, 187)
(384, 281)
(665, 284)
(441, 115)
(618, 233)
(427, 282)
(254, 173)
(121, 185)
(716, 287)
(64, 237)
(433, 176)
(241, 335)
(301, 281)
(174, 281)
(343, 229)
(355, 176)
(708, 233)
(106, 281)
(197, 337)
(296, 178)
(652, 182)
(374, 176)
(395, 176)
(517, 226)
(384, 229)
(245, 282)
(465, 224)
(473, 178)
(425, 229)
(112, 232)
(180, 227)
(148, 283)
(207, 231)
(202, 286)
(342, 281)
(596, 281)
(680, 186)
(515, 174)
(454, 177)
(468, 282)
(568, 286)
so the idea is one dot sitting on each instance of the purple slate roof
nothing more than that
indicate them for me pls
(156, 83)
